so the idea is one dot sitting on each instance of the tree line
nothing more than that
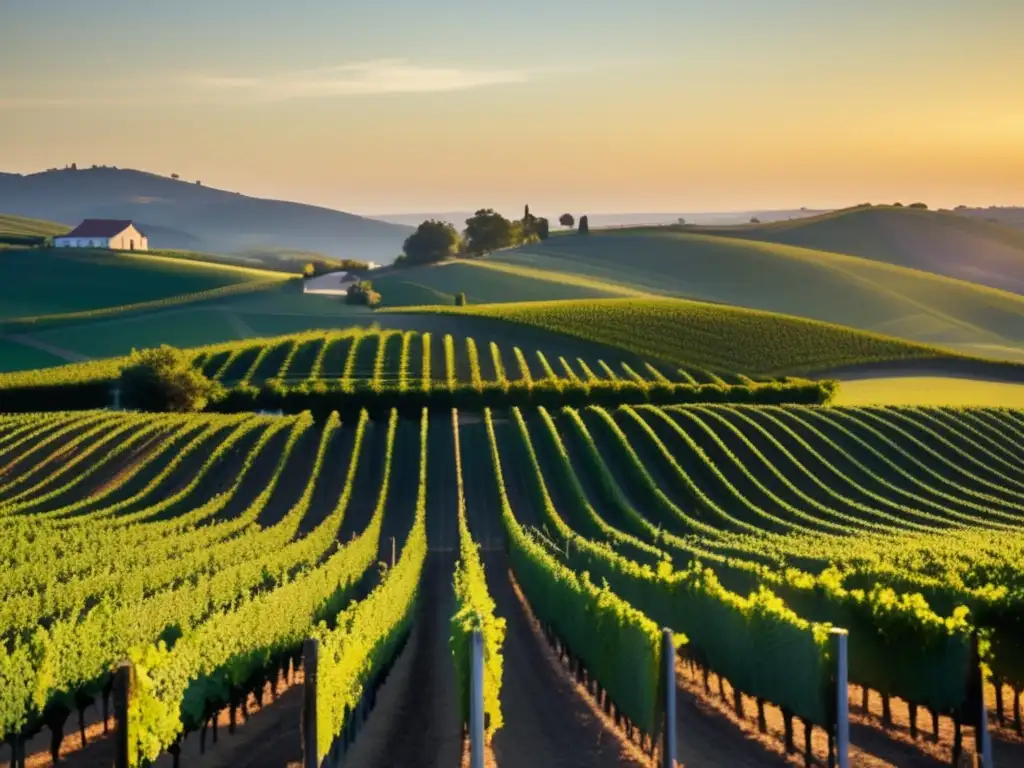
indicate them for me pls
(486, 231)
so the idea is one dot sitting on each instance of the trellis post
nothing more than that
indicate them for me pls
(310, 658)
(668, 656)
(840, 646)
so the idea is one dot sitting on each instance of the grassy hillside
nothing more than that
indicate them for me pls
(22, 226)
(186, 214)
(836, 288)
(713, 336)
(44, 282)
(940, 242)
(488, 281)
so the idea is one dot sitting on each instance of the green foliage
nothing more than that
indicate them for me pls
(567, 220)
(619, 645)
(362, 294)
(488, 231)
(713, 336)
(264, 373)
(163, 379)
(365, 638)
(584, 227)
(474, 610)
(432, 241)
(460, 299)
(347, 397)
(228, 655)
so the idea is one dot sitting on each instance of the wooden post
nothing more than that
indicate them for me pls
(983, 739)
(476, 700)
(122, 692)
(839, 638)
(668, 655)
(310, 653)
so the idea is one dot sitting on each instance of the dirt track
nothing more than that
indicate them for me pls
(416, 719)
(982, 370)
(547, 721)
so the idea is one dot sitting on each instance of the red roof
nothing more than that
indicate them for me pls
(100, 228)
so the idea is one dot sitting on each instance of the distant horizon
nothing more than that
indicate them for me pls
(508, 210)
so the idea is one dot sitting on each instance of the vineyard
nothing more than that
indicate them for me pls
(360, 367)
(716, 336)
(187, 565)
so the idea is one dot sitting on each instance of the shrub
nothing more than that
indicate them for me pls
(363, 294)
(163, 379)
(460, 299)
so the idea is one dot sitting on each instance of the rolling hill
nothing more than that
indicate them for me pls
(22, 226)
(45, 283)
(724, 338)
(934, 241)
(1009, 216)
(196, 217)
(675, 262)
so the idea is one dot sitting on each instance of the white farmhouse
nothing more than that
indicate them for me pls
(112, 234)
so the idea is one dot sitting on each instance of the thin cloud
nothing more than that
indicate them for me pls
(359, 79)
(380, 76)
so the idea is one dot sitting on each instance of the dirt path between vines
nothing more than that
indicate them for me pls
(416, 719)
(547, 721)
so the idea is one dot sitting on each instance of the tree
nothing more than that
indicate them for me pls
(542, 228)
(897, 205)
(163, 379)
(309, 270)
(566, 220)
(584, 227)
(432, 241)
(175, 176)
(460, 299)
(920, 206)
(754, 220)
(199, 183)
(488, 231)
(363, 294)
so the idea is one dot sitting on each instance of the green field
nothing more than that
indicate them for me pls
(43, 282)
(823, 285)
(20, 226)
(486, 282)
(935, 241)
(931, 390)
(833, 287)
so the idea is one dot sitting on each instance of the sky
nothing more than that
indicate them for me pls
(397, 106)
